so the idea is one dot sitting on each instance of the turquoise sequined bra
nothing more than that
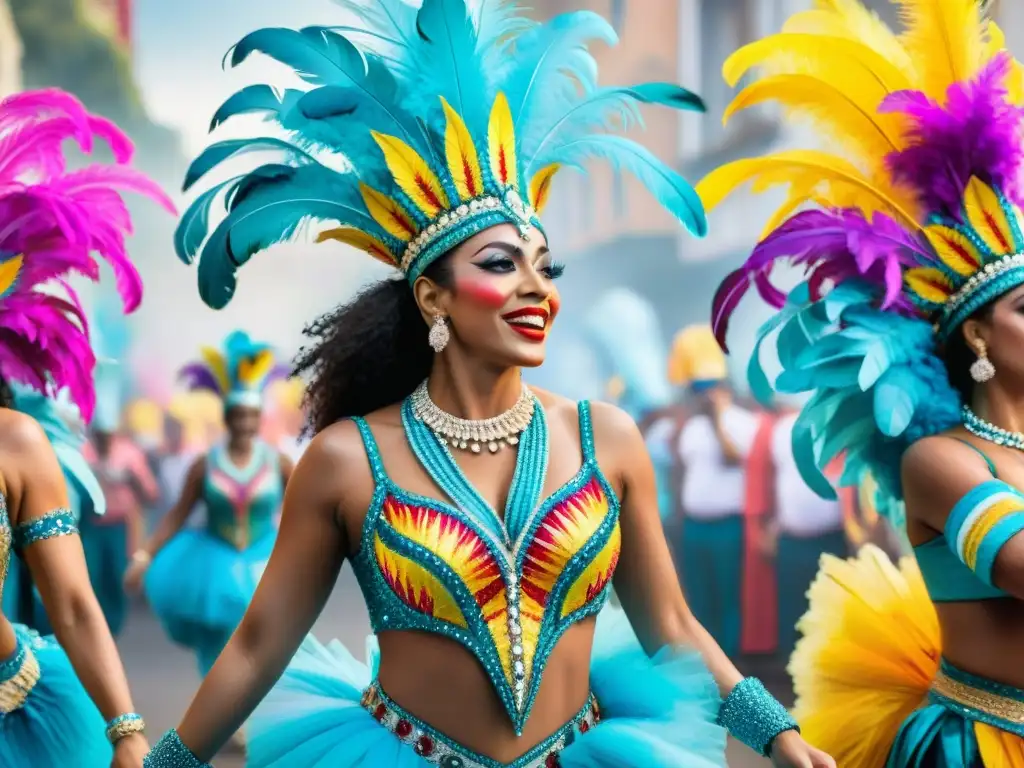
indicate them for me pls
(505, 587)
(241, 502)
(59, 522)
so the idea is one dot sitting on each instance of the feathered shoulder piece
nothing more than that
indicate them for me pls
(54, 223)
(238, 373)
(906, 223)
(451, 118)
(66, 438)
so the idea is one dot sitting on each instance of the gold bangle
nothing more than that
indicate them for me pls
(124, 725)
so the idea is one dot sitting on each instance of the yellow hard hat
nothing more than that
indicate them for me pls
(696, 356)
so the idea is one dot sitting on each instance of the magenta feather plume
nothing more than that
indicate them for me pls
(978, 132)
(833, 246)
(61, 223)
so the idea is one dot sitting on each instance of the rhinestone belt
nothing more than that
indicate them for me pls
(439, 750)
(978, 699)
(14, 689)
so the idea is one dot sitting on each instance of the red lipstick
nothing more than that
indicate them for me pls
(529, 322)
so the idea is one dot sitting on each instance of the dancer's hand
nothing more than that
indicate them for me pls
(135, 573)
(791, 751)
(130, 751)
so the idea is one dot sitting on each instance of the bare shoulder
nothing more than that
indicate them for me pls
(21, 435)
(937, 472)
(558, 409)
(338, 448)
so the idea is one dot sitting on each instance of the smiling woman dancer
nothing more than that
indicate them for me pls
(484, 519)
(914, 358)
(53, 224)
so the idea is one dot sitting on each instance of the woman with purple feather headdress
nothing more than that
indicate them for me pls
(908, 328)
(54, 223)
(201, 580)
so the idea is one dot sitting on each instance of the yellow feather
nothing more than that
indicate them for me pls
(540, 186)
(870, 649)
(389, 213)
(1015, 77)
(813, 54)
(846, 111)
(362, 241)
(987, 217)
(956, 251)
(252, 369)
(9, 271)
(218, 367)
(460, 151)
(412, 175)
(928, 283)
(945, 38)
(501, 143)
(851, 20)
(832, 174)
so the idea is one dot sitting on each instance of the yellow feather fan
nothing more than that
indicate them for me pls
(413, 175)
(945, 39)
(359, 239)
(387, 212)
(461, 155)
(218, 366)
(869, 652)
(501, 142)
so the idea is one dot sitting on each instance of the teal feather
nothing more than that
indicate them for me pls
(222, 151)
(193, 228)
(317, 55)
(257, 98)
(666, 185)
(896, 400)
(877, 361)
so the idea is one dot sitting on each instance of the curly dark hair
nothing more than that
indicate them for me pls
(368, 353)
(958, 357)
(6, 394)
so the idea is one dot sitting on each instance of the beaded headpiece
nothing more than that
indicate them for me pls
(54, 223)
(450, 119)
(909, 226)
(238, 373)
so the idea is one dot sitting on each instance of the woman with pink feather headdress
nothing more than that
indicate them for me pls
(56, 693)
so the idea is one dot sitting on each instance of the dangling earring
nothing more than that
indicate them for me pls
(982, 369)
(439, 334)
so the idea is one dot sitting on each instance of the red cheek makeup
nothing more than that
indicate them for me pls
(482, 292)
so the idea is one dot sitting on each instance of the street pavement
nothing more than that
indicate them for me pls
(164, 677)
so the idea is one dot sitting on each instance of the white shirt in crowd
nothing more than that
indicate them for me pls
(711, 488)
(799, 511)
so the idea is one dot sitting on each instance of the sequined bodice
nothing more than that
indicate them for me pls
(6, 543)
(240, 503)
(505, 588)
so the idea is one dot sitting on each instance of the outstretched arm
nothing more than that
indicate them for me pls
(303, 568)
(649, 591)
(48, 537)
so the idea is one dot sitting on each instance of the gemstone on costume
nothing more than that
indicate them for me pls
(552, 761)
(403, 728)
(380, 711)
(424, 746)
(452, 761)
(584, 725)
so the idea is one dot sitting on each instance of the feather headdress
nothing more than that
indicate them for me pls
(905, 230)
(453, 118)
(238, 373)
(53, 223)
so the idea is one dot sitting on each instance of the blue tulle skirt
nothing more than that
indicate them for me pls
(199, 586)
(57, 726)
(656, 713)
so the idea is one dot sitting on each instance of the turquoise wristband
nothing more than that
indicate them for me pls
(171, 752)
(124, 725)
(753, 716)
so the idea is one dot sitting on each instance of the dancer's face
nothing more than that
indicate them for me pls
(243, 422)
(502, 298)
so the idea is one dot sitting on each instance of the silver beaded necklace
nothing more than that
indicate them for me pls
(986, 430)
(468, 434)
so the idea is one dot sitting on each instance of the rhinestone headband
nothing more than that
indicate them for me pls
(988, 283)
(459, 224)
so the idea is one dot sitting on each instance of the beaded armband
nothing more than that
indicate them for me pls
(171, 752)
(59, 522)
(124, 725)
(753, 716)
(987, 517)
